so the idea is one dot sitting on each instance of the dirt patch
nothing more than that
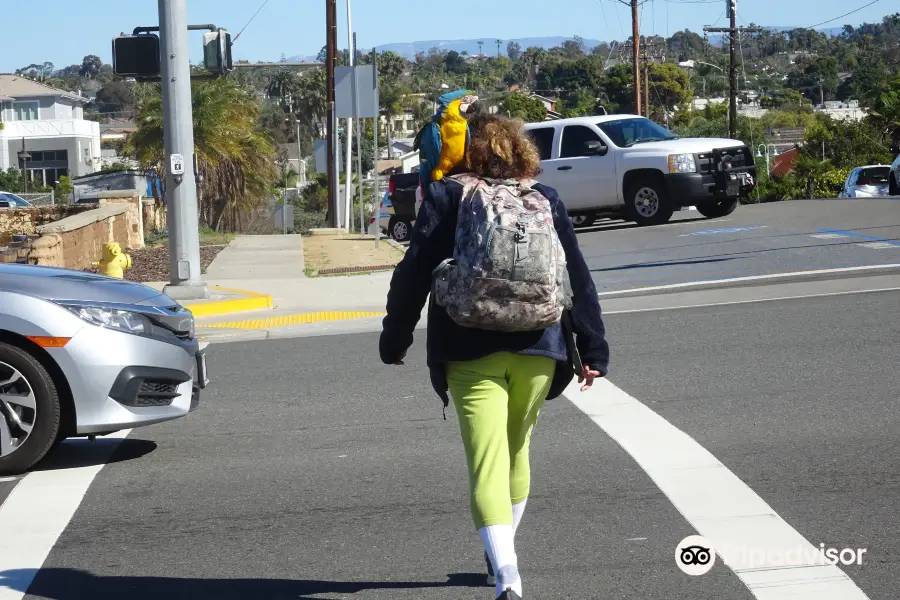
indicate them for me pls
(152, 264)
(348, 253)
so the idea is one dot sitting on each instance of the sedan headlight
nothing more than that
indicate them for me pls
(682, 163)
(111, 318)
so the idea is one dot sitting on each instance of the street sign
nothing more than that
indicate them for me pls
(366, 92)
(176, 164)
(320, 148)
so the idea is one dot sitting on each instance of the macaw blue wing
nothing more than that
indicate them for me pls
(429, 153)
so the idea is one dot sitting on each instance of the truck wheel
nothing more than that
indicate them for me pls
(29, 411)
(647, 203)
(718, 208)
(400, 229)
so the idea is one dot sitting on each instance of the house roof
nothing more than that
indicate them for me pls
(14, 86)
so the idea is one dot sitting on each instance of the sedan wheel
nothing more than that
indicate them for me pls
(29, 411)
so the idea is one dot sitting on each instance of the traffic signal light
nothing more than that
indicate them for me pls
(217, 52)
(136, 56)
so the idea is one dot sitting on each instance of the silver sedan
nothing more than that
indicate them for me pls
(84, 355)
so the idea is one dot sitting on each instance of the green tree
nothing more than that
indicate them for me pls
(807, 169)
(513, 50)
(670, 89)
(114, 97)
(236, 157)
(618, 89)
(520, 106)
(282, 84)
(90, 66)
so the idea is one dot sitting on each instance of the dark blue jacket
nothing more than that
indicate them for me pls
(432, 241)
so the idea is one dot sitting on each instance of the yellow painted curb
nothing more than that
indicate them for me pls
(253, 301)
(268, 322)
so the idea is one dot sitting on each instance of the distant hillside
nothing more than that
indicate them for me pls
(409, 50)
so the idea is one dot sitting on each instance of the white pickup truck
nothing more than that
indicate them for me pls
(627, 166)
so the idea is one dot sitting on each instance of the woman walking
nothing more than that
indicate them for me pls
(513, 317)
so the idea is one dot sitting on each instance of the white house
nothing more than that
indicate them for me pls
(49, 125)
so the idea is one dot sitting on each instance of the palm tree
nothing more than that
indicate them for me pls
(807, 169)
(312, 102)
(281, 84)
(499, 41)
(480, 48)
(237, 157)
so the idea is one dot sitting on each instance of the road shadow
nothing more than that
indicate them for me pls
(76, 453)
(663, 263)
(73, 584)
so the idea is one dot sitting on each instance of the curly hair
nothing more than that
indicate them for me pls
(499, 149)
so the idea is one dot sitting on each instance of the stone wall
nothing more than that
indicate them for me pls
(133, 200)
(154, 215)
(25, 221)
(77, 242)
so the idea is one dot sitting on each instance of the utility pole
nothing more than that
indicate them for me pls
(348, 136)
(178, 132)
(732, 70)
(733, 31)
(647, 87)
(362, 225)
(636, 54)
(331, 129)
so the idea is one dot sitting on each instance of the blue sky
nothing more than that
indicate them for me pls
(298, 27)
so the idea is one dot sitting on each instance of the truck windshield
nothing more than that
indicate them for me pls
(625, 133)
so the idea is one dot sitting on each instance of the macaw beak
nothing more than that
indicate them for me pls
(466, 103)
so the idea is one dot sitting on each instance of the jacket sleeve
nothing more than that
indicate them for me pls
(587, 320)
(411, 281)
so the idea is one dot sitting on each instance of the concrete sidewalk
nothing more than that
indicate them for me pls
(258, 282)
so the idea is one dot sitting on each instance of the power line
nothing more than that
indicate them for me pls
(250, 21)
(844, 15)
(603, 12)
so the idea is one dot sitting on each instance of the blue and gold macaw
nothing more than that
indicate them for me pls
(443, 142)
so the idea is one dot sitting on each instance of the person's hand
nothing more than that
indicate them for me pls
(587, 377)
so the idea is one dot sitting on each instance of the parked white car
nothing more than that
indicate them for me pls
(627, 166)
(867, 182)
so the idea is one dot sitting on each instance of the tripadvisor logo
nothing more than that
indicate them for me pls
(696, 555)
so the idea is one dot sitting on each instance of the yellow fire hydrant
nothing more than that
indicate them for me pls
(114, 261)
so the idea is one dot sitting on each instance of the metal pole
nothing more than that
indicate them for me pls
(636, 50)
(330, 42)
(178, 127)
(647, 86)
(349, 132)
(732, 116)
(284, 210)
(375, 147)
(362, 218)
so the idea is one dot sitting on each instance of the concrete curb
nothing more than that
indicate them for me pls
(211, 308)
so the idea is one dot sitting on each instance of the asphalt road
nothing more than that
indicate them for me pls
(754, 240)
(312, 471)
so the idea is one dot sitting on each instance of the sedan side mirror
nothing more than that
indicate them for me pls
(595, 148)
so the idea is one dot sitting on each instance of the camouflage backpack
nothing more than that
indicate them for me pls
(508, 271)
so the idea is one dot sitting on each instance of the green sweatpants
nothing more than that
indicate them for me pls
(498, 399)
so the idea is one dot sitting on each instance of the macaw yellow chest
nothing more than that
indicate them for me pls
(453, 146)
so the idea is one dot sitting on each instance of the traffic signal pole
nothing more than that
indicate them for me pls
(178, 127)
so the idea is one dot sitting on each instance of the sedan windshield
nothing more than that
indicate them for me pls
(625, 133)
